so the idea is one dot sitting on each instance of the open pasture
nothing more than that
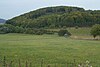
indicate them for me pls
(54, 50)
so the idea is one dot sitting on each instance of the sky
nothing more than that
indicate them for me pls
(12, 8)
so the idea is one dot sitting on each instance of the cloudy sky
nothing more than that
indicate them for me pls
(12, 8)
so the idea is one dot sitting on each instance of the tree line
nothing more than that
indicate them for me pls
(36, 22)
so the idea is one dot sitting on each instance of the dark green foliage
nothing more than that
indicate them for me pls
(55, 17)
(95, 31)
(7, 28)
(35, 22)
(19, 29)
(4, 30)
(29, 31)
(63, 32)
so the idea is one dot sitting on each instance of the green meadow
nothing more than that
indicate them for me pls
(50, 49)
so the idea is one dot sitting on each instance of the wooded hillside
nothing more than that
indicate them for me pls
(54, 17)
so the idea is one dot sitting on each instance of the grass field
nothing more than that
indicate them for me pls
(51, 48)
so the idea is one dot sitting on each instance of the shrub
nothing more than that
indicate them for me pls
(7, 28)
(19, 29)
(76, 27)
(29, 31)
(63, 32)
(95, 31)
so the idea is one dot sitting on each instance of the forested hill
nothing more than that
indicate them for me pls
(58, 16)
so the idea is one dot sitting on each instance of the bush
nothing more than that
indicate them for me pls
(29, 31)
(7, 28)
(76, 27)
(63, 32)
(95, 31)
(19, 29)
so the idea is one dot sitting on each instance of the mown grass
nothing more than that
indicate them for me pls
(78, 32)
(52, 48)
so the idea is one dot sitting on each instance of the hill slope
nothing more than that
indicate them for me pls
(2, 20)
(57, 17)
